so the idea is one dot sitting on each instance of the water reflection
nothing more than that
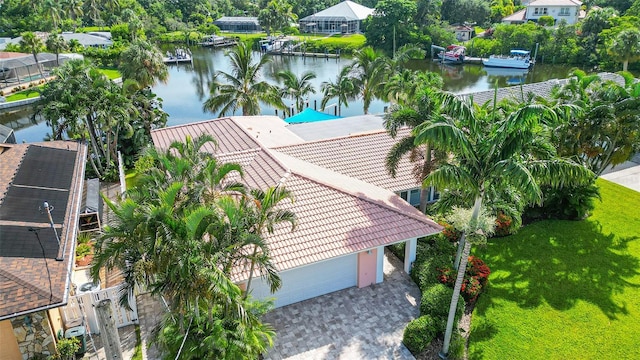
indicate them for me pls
(188, 85)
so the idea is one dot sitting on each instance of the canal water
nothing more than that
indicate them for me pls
(188, 86)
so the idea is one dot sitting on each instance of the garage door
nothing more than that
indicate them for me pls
(310, 281)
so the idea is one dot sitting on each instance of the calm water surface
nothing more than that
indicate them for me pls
(187, 87)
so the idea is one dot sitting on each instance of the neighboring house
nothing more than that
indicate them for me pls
(99, 39)
(344, 222)
(345, 17)
(238, 24)
(35, 261)
(464, 33)
(16, 68)
(567, 10)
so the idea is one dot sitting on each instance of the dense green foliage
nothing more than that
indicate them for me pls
(558, 275)
(419, 333)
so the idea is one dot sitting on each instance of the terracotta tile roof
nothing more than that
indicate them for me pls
(360, 156)
(25, 285)
(337, 214)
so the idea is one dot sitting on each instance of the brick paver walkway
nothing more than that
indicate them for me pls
(349, 324)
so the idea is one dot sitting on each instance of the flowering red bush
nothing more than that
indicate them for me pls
(503, 224)
(475, 278)
(450, 232)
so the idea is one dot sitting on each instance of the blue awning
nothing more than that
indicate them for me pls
(310, 115)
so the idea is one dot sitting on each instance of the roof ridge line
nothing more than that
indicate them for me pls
(318, 141)
(422, 218)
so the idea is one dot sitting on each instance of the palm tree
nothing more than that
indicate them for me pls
(490, 153)
(243, 88)
(266, 214)
(73, 9)
(56, 44)
(424, 108)
(296, 88)
(343, 88)
(626, 47)
(368, 71)
(53, 9)
(93, 10)
(33, 45)
(142, 62)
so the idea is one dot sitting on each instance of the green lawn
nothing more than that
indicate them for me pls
(111, 73)
(564, 289)
(27, 94)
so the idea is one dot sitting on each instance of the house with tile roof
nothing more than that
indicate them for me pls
(345, 17)
(40, 197)
(345, 218)
(568, 10)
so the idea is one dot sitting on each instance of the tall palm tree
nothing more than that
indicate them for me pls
(626, 47)
(266, 214)
(73, 10)
(54, 10)
(492, 152)
(424, 108)
(243, 87)
(55, 43)
(343, 88)
(297, 88)
(369, 69)
(142, 62)
(33, 45)
(93, 10)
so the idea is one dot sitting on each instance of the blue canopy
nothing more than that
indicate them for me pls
(520, 52)
(309, 115)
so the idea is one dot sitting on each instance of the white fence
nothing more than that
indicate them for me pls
(83, 307)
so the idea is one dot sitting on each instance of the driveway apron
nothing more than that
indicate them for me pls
(365, 323)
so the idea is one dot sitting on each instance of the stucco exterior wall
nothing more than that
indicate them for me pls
(8, 344)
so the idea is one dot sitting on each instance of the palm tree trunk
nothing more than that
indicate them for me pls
(458, 285)
(461, 243)
(454, 299)
(253, 265)
(424, 193)
(625, 64)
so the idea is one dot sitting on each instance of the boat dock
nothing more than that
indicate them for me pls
(467, 60)
(325, 55)
(218, 41)
(179, 56)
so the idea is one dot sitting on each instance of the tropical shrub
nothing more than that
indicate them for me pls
(435, 303)
(457, 346)
(567, 203)
(503, 224)
(431, 256)
(419, 333)
(450, 232)
(475, 278)
(546, 20)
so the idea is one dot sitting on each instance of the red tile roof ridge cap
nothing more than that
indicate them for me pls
(337, 138)
(287, 160)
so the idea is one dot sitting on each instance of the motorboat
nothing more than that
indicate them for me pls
(517, 59)
(453, 54)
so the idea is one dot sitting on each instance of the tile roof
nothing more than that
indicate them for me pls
(30, 283)
(360, 156)
(347, 10)
(540, 89)
(337, 215)
(555, 3)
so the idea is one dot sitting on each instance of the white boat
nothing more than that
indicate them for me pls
(454, 54)
(178, 56)
(517, 59)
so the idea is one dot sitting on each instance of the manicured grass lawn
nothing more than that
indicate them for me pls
(22, 95)
(111, 73)
(564, 289)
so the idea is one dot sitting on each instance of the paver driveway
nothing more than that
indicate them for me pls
(354, 323)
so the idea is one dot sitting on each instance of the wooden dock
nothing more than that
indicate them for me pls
(217, 42)
(307, 54)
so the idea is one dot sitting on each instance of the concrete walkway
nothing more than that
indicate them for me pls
(626, 174)
(365, 323)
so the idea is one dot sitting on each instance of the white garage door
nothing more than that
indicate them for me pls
(310, 281)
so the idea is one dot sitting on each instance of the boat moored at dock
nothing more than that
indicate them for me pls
(517, 59)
